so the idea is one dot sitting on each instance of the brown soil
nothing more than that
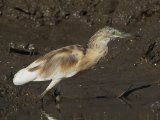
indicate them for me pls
(92, 95)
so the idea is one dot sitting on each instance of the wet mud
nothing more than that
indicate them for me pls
(93, 94)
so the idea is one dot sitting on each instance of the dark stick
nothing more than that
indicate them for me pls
(22, 51)
(129, 90)
(125, 92)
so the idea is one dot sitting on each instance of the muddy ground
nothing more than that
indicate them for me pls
(50, 24)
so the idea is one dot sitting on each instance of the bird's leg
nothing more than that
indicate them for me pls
(44, 92)
(51, 85)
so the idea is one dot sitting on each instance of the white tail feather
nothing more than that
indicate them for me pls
(24, 76)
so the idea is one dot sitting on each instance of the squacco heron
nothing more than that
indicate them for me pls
(68, 61)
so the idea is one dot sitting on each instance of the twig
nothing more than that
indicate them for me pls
(131, 90)
(125, 92)
(22, 51)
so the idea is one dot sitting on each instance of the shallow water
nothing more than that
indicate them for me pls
(91, 109)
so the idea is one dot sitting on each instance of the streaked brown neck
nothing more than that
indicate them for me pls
(92, 56)
(98, 47)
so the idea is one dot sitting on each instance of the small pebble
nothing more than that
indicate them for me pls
(102, 67)
(31, 47)
(131, 40)
(155, 64)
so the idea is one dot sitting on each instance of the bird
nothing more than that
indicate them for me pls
(67, 61)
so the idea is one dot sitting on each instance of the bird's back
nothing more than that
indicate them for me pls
(57, 64)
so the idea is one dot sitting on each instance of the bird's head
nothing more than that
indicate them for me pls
(113, 33)
(103, 36)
